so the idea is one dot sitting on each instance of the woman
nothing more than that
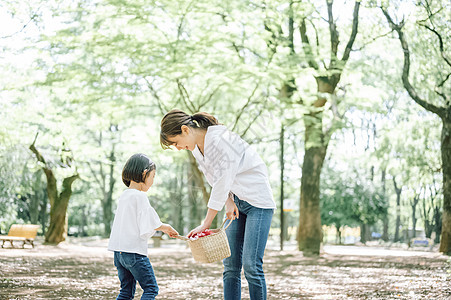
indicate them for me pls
(239, 180)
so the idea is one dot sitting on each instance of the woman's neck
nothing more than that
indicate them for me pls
(200, 140)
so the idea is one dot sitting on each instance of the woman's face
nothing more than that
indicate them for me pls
(185, 140)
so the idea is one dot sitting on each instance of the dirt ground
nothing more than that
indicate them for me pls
(83, 269)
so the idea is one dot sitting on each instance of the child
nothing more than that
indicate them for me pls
(135, 221)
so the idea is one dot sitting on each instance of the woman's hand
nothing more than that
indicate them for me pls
(211, 213)
(198, 229)
(231, 209)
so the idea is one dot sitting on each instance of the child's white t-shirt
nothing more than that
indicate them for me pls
(134, 223)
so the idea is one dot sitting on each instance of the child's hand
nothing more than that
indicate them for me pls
(166, 228)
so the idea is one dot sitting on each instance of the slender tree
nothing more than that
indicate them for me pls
(105, 176)
(398, 190)
(438, 104)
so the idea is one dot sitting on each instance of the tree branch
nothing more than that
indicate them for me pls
(306, 46)
(252, 122)
(51, 180)
(355, 26)
(38, 155)
(440, 111)
(22, 29)
(334, 39)
(67, 186)
(272, 43)
(208, 99)
(237, 50)
(185, 96)
(291, 28)
(96, 178)
(440, 41)
(249, 99)
(161, 106)
(373, 40)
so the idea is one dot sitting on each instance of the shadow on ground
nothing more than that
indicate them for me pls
(76, 271)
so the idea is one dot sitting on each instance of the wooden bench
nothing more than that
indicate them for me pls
(24, 233)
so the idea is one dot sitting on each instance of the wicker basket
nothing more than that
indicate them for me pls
(210, 248)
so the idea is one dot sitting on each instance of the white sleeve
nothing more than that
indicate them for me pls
(148, 219)
(226, 154)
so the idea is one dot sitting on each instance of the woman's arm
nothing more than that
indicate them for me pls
(211, 213)
(225, 156)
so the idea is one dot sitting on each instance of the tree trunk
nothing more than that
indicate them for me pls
(282, 165)
(107, 209)
(43, 214)
(428, 220)
(309, 231)
(428, 228)
(398, 210)
(437, 224)
(192, 197)
(364, 233)
(198, 183)
(384, 194)
(309, 234)
(35, 198)
(178, 197)
(57, 231)
(414, 203)
(107, 203)
(339, 233)
(445, 242)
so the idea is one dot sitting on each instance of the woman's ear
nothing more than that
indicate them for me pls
(184, 129)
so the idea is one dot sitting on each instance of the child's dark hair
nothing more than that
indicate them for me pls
(135, 167)
(171, 124)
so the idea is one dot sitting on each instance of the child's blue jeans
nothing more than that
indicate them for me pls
(247, 237)
(132, 267)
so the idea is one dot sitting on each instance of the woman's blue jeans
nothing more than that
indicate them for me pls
(132, 267)
(247, 237)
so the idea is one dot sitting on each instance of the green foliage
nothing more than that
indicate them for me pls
(351, 199)
(92, 76)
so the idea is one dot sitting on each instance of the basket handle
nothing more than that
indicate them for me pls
(184, 238)
(227, 224)
(181, 237)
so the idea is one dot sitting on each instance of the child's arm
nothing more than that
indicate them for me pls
(166, 228)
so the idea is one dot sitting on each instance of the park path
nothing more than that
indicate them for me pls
(83, 269)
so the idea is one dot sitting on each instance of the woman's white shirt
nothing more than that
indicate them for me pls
(232, 165)
(134, 223)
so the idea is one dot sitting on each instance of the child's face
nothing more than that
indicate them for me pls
(149, 181)
(185, 140)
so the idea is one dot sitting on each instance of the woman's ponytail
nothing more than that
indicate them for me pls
(172, 122)
(204, 120)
